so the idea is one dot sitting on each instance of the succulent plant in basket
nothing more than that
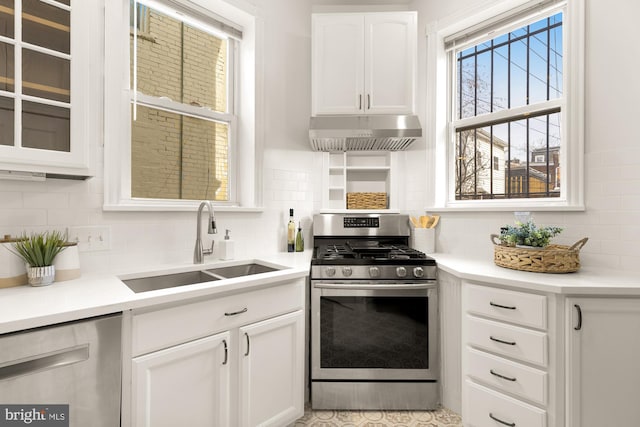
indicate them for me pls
(38, 251)
(527, 234)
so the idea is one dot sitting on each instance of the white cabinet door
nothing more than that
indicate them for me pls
(390, 52)
(338, 64)
(363, 63)
(272, 371)
(185, 385)
(49, 119)
(603, 385)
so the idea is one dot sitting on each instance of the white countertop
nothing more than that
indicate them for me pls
(24, 307)
(586, 281)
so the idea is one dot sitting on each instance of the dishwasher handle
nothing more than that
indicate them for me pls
(57, 359)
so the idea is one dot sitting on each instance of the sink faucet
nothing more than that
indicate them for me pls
(199, 252)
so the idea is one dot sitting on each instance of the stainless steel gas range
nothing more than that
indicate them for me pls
(374, 315)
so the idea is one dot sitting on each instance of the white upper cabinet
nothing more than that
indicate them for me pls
(363, 63)
(50, 92)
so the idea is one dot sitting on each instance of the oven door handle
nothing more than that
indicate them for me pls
(374, 287)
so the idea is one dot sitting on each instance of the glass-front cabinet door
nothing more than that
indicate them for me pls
(46, 85)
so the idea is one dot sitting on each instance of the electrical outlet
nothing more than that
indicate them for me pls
(91, 238)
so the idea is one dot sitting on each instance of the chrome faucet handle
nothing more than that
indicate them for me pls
(209, 251)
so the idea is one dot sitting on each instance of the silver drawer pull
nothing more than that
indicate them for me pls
(502, 341)
(244, 310)
(501, 376)
(57, 359)
(493, 417)
(508, 307)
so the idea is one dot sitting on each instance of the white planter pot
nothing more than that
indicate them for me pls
(41, 276)
(67, 263)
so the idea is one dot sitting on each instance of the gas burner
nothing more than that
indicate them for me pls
(336, 249)
(399, 256)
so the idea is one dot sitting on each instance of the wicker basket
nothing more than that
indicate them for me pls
(550, 259)
(366, 200)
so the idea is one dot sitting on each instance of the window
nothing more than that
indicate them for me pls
(498, 82)
(181, 127)
(515, 97)
(182, 136)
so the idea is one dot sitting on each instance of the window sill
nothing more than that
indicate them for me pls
(487, 206)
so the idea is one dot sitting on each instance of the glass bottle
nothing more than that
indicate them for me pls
(299, 239)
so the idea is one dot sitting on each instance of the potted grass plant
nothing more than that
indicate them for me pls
(38, 251)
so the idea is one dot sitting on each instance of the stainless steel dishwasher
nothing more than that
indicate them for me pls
(75, 363)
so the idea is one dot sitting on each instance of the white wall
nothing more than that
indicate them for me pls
(291, 172)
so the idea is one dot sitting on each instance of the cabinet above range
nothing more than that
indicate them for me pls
(363, 63)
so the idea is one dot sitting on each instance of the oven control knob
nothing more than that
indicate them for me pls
(347, 271)
(374, 272)
(401, 271)
(331, 271)
(418, 272)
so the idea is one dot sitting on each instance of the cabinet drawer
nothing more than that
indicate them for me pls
(163, 328)
(486, 407)
(513, 341)
(511, 306)
(505, 375)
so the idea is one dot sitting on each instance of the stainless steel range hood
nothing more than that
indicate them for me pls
(363, 133)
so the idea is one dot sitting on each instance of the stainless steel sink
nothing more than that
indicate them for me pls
(241, 270)
(164, 281)
(152, 283)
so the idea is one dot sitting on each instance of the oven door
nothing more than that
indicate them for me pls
(374, 331)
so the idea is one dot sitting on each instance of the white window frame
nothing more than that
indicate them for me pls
(440, 107)
(244, 140)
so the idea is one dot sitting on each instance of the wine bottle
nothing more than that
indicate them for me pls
(291, 233)
(299, 239)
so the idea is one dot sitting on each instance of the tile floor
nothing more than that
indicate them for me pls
(328, 418)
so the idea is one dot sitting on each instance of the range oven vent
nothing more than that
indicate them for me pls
(361, 144)
(363, 133)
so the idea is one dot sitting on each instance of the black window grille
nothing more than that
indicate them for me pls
(514, 70)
